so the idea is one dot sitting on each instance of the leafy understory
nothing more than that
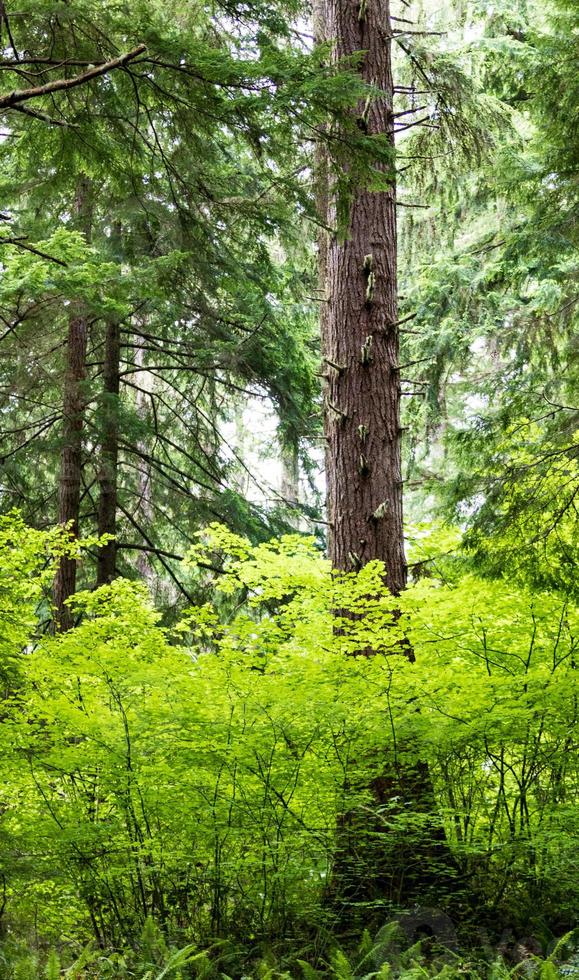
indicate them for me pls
(187, 775)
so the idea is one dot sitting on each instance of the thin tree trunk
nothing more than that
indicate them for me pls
(144, 507)
(290, 475)
(73, 407)
(108, 471)
(108, 475)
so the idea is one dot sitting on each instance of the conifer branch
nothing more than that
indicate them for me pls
(425, 121)
(21, 243)
(14, 98)
(156, 551)
(407, 112)
(43, 116)
(398, 34)
(4, 20)
(150, 549)
(405, 319)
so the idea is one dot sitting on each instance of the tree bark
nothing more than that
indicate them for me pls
(108, 475)
(373, 865)
(360, 343)
(73, 407)
(144, 508)
(290, 474)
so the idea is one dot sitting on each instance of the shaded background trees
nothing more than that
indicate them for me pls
(198, 158)
(491, 440)
(191, 170)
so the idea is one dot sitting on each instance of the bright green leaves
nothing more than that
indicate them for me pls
(497, 688)
(66, 269)
(27, 560)
(221, 753)
(338, 613)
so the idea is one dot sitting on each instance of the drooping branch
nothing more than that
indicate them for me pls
(14, 98)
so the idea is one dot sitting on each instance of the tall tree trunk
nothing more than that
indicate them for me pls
(108, 475)
(108, 470)
(360, 342)
(290, 474)
(360, 348)
(144, 508)
(73, 407)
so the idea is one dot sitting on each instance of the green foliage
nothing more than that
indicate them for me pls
(52, 969)
(175, 800)
(188, 164)
(26, 573)
(190, 776)
(25, 968)
(490, 271)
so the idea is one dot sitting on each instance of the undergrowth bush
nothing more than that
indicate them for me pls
(198, 774)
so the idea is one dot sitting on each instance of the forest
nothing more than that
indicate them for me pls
(289, 488)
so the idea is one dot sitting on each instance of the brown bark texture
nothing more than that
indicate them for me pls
(73, 407)
(360, 343)
(373, 867)
(144, 509)
(107, 508)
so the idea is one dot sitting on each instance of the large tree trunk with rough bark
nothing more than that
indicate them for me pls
(360, 334)
(73, 407)
(373, 866)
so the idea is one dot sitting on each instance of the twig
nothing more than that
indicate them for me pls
(406, 204)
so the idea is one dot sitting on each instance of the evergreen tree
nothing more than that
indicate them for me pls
(363, 372)
(359, 321)
(494, 414)
(186, 228)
